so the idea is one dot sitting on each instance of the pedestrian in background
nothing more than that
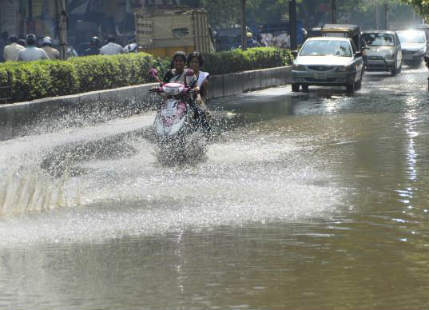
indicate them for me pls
(52, 52)
(111, 48)
(11, 51)
(31, 52)
(131, 47)
(21, 41)
(94, 47)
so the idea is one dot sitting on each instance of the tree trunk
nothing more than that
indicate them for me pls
(334, 11)
(243, 26)
(292, 25)
(386, 21)
(377, 17)
(62, 26)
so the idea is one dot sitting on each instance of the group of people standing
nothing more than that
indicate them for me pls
(28, 50)
(110, 48)
(33, 48)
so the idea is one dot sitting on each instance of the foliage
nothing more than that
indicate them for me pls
(421, 6)
(225, 14)
(251, 59)
(31, 80)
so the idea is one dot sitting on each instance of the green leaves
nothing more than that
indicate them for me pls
(422, 6)
(251, 59)
(23, 81)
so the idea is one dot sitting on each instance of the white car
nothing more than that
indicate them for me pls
(413, 44)
(328, 61)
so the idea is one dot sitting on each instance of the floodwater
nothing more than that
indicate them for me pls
(303, 201)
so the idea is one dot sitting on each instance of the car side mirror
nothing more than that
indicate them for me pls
(294, 53)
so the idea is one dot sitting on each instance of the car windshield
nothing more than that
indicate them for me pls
(326, 48)
(378, 39)
(411, 36)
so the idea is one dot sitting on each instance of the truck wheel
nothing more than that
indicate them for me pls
(295, 87)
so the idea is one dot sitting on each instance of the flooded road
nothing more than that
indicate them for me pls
(312, 200)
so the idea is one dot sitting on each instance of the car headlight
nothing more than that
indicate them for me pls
(350, 68)
(421, 50)
(389, 56)
(299, 68)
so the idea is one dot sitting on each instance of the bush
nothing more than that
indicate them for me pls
(22, 81)
(251, 59)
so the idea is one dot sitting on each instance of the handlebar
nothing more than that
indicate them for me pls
(186, 90)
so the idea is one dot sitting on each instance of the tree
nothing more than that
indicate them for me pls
(421, 6)
(227, 13)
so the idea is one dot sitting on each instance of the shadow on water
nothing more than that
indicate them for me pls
(63, 159)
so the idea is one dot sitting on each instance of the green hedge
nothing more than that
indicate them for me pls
(254, 58)
(21, 81)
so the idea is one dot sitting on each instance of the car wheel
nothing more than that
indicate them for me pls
(394, 70)
(295, 87)
(305, 88)
(351, 88)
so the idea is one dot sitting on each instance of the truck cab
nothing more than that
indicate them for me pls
(346, 31)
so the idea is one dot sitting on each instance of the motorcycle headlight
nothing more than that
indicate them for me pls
(299, 68)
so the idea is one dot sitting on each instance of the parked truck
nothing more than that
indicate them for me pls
(162, 32)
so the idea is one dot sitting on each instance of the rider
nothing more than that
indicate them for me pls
(178, 73)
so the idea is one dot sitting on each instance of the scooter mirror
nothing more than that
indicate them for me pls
(190, 72)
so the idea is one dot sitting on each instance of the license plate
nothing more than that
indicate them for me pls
(319, 76)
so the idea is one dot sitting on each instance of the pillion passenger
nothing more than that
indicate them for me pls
(31, 52)
(195, 61)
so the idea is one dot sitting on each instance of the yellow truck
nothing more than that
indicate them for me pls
(161, 32)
